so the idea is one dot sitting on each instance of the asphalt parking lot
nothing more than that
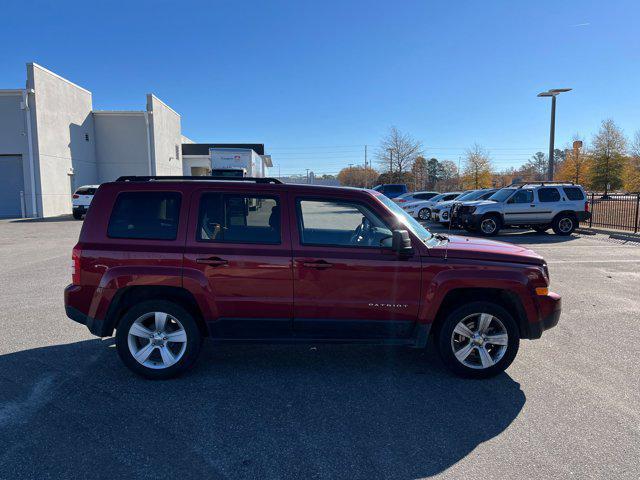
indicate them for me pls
(569, 406)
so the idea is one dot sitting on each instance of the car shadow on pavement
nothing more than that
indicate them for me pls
(244, 412)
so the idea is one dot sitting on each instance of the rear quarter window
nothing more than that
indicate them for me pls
(573, 193)
(145, 215)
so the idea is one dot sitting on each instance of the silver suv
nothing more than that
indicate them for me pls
(537, 205)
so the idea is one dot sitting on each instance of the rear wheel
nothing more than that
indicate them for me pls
(564, 224)
(158, 339)
(490, 225)
(424, 214)
(77, 215)
(478, 340)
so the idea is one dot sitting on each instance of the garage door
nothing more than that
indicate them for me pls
(11, 184)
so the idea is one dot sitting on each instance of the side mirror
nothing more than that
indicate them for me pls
(401, 243)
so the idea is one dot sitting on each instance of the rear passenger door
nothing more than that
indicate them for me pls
(239, 249)
(550, 203)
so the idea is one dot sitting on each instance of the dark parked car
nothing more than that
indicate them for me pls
(166, 262)
(392, 190)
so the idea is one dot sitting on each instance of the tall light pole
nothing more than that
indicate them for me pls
(553, 93)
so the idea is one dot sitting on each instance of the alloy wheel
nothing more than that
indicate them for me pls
(488, 225)
(424, 214)
(157, 340)
(479, 341)
(565, 224)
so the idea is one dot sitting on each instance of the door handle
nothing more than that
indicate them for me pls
(213, 261)
(320, 264)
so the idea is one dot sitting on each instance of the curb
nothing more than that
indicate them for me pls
(614, 234)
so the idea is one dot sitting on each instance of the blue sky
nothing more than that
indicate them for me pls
(316, 81)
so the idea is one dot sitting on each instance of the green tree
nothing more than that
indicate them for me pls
(607, 151)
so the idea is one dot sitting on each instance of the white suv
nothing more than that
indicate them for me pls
(536, 205)
(422, 209)
(81, 200)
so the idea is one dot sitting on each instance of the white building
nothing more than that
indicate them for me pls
(52, 141)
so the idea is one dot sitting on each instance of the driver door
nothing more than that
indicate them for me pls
(348, 283)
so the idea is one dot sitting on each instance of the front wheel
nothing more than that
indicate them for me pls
(489, 225)
(478, 340)
(158, 339)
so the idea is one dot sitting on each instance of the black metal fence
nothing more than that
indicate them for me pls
(615, 210)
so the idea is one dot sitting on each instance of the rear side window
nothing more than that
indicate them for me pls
(450, 197)
(548, 195)
(233, 218)
(86, 191)
(573, 193)
(145, 215)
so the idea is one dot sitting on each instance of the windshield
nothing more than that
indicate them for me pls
(467, 195)
(502, 194)
(437, 198)
(406, 219)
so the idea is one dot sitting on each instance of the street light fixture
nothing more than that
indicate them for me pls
(553, 93)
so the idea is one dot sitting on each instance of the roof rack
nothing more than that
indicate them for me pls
(150, 178)
(542, 183)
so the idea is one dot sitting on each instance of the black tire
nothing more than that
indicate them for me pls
(188, 323)
(541, 228)
(447, 345)
(564, 224)
(484, 226)
(77, 215)
(424, 214)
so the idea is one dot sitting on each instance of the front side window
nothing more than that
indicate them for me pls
(340, 223)
(236, 218)
(548, 194)
(522, 196)
(145, 215)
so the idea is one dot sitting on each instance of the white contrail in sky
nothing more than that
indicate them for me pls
(581, 24)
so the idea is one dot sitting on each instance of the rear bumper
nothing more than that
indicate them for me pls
(95, 325)
(549, 309)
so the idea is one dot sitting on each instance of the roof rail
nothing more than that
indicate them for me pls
(150, 178)
(541, 183)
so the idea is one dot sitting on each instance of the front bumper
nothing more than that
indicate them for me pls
(549, 309)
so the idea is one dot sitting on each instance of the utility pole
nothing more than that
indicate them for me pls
(307, 174)
(365, 157)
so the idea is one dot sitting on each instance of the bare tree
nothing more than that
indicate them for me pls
(397, 151)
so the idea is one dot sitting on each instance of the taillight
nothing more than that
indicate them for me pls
(75, 265)
(586, 206)
(75, 195)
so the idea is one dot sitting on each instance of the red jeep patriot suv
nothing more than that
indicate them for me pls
(167, 261)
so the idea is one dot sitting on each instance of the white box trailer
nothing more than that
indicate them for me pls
(236, 162)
